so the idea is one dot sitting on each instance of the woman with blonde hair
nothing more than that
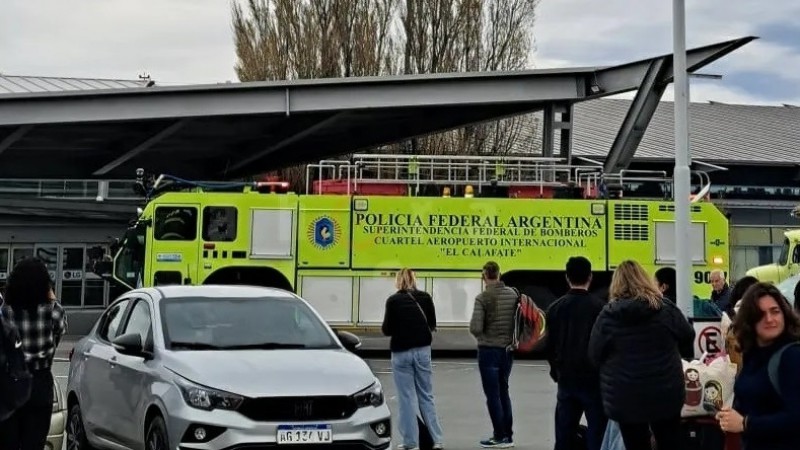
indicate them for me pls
(410, 319)
(637, 343)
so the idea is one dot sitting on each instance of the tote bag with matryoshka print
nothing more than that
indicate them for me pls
(709, 387)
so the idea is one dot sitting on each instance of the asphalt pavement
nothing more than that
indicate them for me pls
(461, 404)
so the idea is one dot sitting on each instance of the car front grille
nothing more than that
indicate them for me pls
(274, 409)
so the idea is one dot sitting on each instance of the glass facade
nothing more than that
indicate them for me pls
(70, 269)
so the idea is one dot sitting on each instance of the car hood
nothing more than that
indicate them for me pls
(264, 373)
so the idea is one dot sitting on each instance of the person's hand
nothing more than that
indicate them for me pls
(730, 421)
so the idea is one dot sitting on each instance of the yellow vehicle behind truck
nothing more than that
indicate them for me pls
(340, 244)
(788, 263)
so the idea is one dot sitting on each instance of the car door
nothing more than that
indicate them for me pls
(96, 387)
(132, 375)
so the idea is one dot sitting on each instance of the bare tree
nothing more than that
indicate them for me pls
(287, 39)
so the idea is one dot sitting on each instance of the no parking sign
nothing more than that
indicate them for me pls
(708, 337)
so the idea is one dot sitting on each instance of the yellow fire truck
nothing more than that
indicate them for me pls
(340, 243)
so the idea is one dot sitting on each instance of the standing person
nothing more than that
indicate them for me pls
(766, 415)
(492, 325)
(31, 306)
(720, 291)
(637, 343)
(796, 299)
(410, 319)
(728, 316)
(666, 280)
(570, 320)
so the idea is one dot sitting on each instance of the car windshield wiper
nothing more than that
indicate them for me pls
(195, 345)
(263, 346)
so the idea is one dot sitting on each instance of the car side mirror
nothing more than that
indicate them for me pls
(130, 344)
(349, 340)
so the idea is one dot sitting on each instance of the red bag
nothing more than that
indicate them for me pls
(529, 324)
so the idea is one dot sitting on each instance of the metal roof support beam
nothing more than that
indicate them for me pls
(288, 141)
(375, 137)
(163, 134)
(565, 125)
(550, 124)
(548, 120)
(638, 118)
(18, 134)
(627, 77)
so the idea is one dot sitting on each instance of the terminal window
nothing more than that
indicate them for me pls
(175, 223)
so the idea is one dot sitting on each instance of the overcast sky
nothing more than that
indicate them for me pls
(189, 41)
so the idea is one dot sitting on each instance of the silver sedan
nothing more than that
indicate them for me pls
(220, 367)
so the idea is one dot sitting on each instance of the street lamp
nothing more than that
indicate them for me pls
(682, 174)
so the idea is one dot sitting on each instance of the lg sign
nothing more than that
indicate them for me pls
(709, 340)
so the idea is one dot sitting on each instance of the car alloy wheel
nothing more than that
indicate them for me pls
(76, 434)
(157, 435)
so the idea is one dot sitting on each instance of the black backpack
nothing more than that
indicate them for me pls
(16, 381)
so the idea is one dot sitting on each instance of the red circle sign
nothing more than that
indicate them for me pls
(709, 340)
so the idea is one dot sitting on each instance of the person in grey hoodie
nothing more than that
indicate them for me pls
(492, 325)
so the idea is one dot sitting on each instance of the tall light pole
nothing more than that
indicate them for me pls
(682, 175)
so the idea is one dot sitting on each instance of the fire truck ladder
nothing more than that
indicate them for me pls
(450, 170)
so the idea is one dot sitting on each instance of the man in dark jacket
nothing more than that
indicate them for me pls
(569, 326)
(492, 325)
(720, 291)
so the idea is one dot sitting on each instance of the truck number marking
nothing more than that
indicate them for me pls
(701, 277)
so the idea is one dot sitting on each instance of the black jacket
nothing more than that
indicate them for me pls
(772, 419)
(409, 319)
(638, 351)
(570, 320)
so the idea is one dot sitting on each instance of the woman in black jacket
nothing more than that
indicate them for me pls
(637, 343)
(767, 415)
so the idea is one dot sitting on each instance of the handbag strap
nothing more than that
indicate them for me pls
(424, 316)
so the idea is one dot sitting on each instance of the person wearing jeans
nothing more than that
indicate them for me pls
(570, 320)
(492, 325)
(410, 319)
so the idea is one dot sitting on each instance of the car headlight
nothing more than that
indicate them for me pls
(202, 397)
(371, 396)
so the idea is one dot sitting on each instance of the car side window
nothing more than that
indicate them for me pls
(139, 321)
(110, 325)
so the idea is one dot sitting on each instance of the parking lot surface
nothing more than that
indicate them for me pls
(461, 404)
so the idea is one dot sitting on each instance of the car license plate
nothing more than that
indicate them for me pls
(305, 434)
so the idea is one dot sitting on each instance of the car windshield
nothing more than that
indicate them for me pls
(242, 323)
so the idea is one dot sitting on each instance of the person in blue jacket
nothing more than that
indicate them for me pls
(766, 410)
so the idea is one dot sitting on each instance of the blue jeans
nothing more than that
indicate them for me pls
(412, 373)
(495, 364)
(572, 402)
